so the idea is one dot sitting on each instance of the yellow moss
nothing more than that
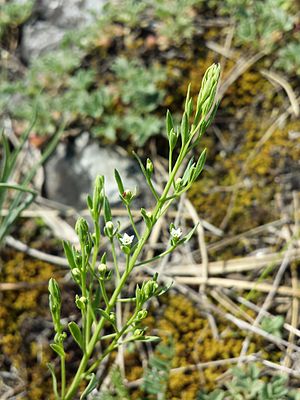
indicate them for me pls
(195, 343)
(257, 179)
(16, 308)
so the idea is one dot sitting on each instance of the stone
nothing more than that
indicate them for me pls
(71, 171)
(50, 21)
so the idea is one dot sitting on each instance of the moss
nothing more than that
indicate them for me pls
(22, 342)
(194, 343)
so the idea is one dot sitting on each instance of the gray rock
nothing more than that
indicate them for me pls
(40, 38)
(51, 20)
(72, 169)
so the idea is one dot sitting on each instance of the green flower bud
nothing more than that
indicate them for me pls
(80, 302)
(76, 272)
(54, 292)
(102, 268)
(128, 196)
(82, 229)
(149, 167)
(138, 332)
(142, 315)
(178, 183)
(109, 229)
(172, 139)
(112, 317)
(98, 196)
(60, 337)
(150, 289)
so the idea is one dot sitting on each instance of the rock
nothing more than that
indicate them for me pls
(71, 171)
(40, 38)
(51, 20)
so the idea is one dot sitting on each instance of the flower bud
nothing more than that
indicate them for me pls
(102, 268)
(75, 272)
(142, 315)
(80, 302)
(109, 229)
(82, 229)
(138, 332)
(178, 183)
(150, 288)
(172, 139)
(149, 167)
(112, 317)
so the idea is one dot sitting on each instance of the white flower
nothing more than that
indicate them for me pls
(176, 233)
(126, 240)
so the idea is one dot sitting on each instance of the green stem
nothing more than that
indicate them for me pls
(152, 189)
(89, 311)
(104, 294)
(95, 338)
(156, 257)
(113, 251)
(113, 344)
(63, 376)
(132, 222)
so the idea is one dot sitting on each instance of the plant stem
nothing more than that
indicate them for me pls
(132, 222)
(113, 251)
(121, 282)
(63, 376)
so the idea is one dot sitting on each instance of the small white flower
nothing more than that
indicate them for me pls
(176, 233)
(126, 240)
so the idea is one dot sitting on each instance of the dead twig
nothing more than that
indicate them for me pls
(269, 299)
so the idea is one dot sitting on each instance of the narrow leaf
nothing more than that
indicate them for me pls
(58, 349)
(107, 210)
(187, 99)
(148, 339)
(76, 333)
(200, 163)
(146, 218)
(169, 123)
(89, 202)
(119, 182)
(190, 234)
(90, 387)
(141, 165)
(69, 254)
(184, 128)
(104, 314)
(54, 380)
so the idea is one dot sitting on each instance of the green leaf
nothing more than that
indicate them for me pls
(54, 290)
(69, 254)
(54, 380)
(58, 348)
(90, 387)
(148, 339)
(76, 333)
(119, 183)
(169, 123)
(6, 159)
(107, 210)
(104, 314)
(200, 164)
(89, 202)
(184, 128)
(188, 100)
(141, 165)
(188, 237)
(147, 219)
